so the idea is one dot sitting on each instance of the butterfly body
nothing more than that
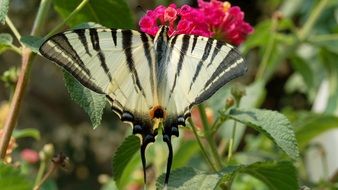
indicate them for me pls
(147, 80)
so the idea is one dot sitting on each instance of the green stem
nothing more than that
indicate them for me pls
(52, 168)
(231, 142)
(15, 49)
(41, 17)
(14, 30)
(324, 37)
(60, 25)
(40, 172)
(21, 85)
(268, 50)
(204, 152)
(209, 137)
(307, 27)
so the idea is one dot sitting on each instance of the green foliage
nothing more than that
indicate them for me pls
(311, 125)
(123, 156)
(4, 4)
(93, 103)
(190, 178)
(276, 175)
(12, 179)
(33, 42)
(6, 41)
(29, 132)
(97, 11)
(272, 124)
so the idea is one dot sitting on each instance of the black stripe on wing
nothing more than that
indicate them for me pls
(184, 49)
(205, 56)
(94, 38)
(127, 36)
(232, 66)
(58, 49)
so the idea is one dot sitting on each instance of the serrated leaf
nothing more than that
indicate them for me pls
(93, 103)
(276, 175)
(30, 132)
(312, 125)
(189, 178)
(272, 124)
(124, 155)
(12, 179)
(3, 10)
(110, 13)
(32, 42)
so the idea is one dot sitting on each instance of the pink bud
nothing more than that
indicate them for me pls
(30, 156)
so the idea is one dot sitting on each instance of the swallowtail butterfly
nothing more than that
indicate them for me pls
(147, 80)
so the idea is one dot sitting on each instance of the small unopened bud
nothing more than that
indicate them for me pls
(48, 149)
(47, 152)
(229, 102)
(237, 92)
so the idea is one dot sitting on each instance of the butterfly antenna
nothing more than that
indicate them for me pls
(167, 139)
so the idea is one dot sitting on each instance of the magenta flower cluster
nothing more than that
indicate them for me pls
(211, 19)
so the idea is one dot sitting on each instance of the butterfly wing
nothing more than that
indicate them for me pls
(196, 68)
(117, 63)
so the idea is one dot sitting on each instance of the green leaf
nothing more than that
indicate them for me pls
(32, 42)
(184, 154)
(329, 59)
(110, 13)
(93, 103)
(6, 41)
(111, 185)
(312, 125)
(189, 178)
(3, 10)
(12, 179)
(304, 69)
(276, 175)
(29, 132)
(124, 155)
(272, 124)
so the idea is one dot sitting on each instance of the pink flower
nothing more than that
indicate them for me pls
(30, 156)
(212, 19)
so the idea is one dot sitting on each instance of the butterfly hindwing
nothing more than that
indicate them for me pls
(114, 62)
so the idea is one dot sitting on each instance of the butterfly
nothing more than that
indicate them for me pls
(150, 82)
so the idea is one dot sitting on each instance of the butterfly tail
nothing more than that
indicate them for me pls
(170, 159)
(144, 162)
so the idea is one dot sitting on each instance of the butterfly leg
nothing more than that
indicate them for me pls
(168, 131)
(147, 137)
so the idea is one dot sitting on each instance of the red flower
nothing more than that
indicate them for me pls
(30, 156)
(211, 19)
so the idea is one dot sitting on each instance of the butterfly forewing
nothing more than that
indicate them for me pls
(197, 67)
(118, 63)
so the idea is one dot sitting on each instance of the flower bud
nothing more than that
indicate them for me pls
(229, 102)
(237, 92)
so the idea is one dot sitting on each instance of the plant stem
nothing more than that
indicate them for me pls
(14, 30)
(41, 170)
(231, 142)
(209, 137)
(52, 168)
(315, 13)
(76, 10)
(204, 152)
(22, 82)
(268, 50)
